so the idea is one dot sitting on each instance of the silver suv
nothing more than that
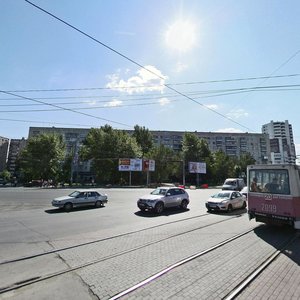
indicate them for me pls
(164, 197)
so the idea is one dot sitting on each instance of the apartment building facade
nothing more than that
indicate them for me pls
(15, 147)
(232, 144)
(4, 144)
(282, 146)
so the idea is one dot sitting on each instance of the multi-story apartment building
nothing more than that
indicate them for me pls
(282, 147)
(4, 142)
(73, 137)
(233, 144)
(15, 147)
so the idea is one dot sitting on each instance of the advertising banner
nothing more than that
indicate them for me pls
(197, 167)
(136, 164)
(149, 165)
(124, 164)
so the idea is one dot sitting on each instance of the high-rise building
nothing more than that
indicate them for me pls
(4, 142)
(282, 145)
(15, 147)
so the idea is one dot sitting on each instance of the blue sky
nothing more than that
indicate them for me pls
(184, 44)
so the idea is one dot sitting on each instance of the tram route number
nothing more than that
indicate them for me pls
(270, 208)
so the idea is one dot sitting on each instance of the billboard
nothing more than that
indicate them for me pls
(197, 167)
(149, 165)
(133, 164)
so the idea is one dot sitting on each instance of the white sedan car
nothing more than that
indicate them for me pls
(80, 198)
(226, 201)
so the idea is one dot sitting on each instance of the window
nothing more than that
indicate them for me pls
(269, 181)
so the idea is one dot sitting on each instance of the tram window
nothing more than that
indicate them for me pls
(269, 181)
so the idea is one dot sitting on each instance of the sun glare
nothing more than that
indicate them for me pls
(181, 36)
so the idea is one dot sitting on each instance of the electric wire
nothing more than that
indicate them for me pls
(154, 86)
(221, 92)
(150, 71)
(138, 64)
(63, 108)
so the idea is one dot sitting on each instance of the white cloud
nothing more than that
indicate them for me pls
(114, 103)
(230, 130)
(143, 81)
(237, 113)
(164, 101)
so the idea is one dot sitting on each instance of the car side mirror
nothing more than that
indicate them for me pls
(168, 194)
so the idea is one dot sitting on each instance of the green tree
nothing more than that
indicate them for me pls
(244, 161)
(168, 165)
(144, 139)
(197, 150)
(5, 175)
(104, 146)
(191, 147)
(42, 157)
(65, 174)
(223, 167)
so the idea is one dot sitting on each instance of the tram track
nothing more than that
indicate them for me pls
(34, 279)
(247, 281)
(57, 250)
(158, 278)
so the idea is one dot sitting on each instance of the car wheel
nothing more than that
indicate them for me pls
(244, 205)
(229, 208)
(184, 204)
(98, 204)
(159, 207)
(68, 206)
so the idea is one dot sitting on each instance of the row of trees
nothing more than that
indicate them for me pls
(45, 157)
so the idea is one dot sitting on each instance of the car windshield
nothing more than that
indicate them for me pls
(221, 195)
(159, 192)
(230, 182)
(74, 194)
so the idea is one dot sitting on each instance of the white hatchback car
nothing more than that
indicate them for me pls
(80, 198)
(164, 197)
(226, 201)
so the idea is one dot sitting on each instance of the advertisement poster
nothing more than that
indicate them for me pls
(136, 164)
(149, 165)
(197, 167)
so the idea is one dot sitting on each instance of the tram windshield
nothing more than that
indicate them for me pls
(269, 181)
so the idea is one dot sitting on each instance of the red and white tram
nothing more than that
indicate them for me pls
(274, 194)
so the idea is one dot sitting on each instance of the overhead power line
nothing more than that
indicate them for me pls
(137, 64)
(273, 88)
(150, 71)
(63, 108)
(154, 86)
(43, 122)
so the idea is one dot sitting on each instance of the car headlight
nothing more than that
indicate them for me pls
(224, 201)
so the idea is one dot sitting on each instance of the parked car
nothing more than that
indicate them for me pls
(233, 184)
(164, 197)
(244, 191)
(226, 201)
(80, 198)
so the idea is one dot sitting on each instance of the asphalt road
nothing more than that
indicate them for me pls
(124, 253)
(28, 215)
